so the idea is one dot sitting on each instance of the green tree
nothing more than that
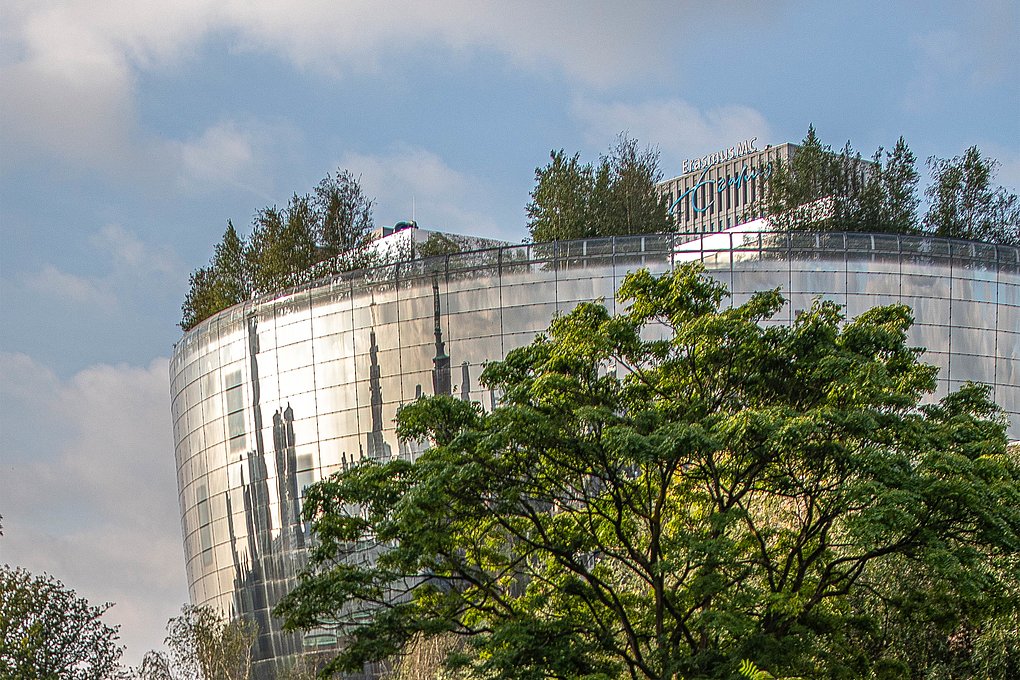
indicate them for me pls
(315, 235)
(804, 181)
(560, 202)
(965, 203)
(206, 295)
(229, 266)
(899, 190)
(202, 646)
(670, 492)
(343, 221)
(282, 247)
(633, 206)
(47, 631)
(225, 282)
(824, 190)
(615, 197)
(425, 659)
(925, 627)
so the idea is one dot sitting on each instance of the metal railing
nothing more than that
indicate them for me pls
(661, 249)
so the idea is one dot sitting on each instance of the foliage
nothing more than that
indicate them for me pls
(47, 631)
(632, 206)
(821, 189)
(438, 244)
(824, 190)
(343, 221)
(560, 202)
(752, 672)
(424, 658)
(673, 490)
(225, 282)
(202, 646)
(325, 232)
(282, 247)
(966, 204)
(899, 190)
(301, 666)
(615, 197)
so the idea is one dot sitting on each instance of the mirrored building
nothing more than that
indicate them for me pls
(279, 392)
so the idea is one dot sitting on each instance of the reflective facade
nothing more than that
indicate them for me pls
(276, 393)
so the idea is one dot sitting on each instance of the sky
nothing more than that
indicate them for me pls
(132, 130)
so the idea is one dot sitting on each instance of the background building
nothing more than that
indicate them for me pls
(723, 189)
(279, 392)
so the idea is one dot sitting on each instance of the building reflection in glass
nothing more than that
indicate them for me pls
(274, 394)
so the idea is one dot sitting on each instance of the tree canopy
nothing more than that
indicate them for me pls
(681, 490)
(328, 230)
(965, 203)
(821, 189)
(825, 190)
(47, 631)
(202, 646)
(325, 232)
(613, 197)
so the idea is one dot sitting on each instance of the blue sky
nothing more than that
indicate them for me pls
(131, 131)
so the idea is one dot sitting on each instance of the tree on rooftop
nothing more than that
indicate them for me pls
(614, 197)
(206, 295)
(559, 207)
(225, 282)
(899, 196)
(633, 206)
(326, 232)
(673, 491)
(282, 248)
(965, 203)
(825, 190)
(343, 221)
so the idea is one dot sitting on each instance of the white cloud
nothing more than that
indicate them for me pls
(84, 117)
(129, 263)
(127, 249)
(223, 154)
(69, 78)
(70, 67)
(94, 501)
(596, 42)
(678, 128)
(442, 197)
(80, 290)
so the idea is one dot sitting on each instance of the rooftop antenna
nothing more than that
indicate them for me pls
(412, 207)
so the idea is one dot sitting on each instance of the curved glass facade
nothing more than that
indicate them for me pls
(276, 393)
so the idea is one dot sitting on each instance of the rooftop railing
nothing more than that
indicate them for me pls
(716, 250)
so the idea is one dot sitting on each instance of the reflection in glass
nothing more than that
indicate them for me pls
(272, 395)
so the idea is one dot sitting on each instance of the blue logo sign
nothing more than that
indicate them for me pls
(744, 176)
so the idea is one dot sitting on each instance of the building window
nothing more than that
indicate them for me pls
(204, 525)
(235, 410)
